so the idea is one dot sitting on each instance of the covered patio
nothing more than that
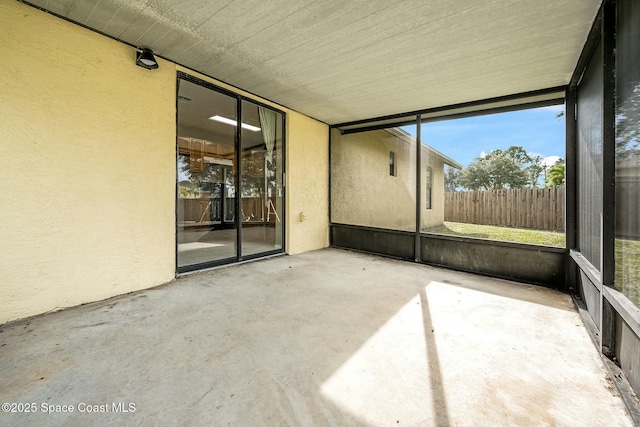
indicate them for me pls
(329, 337)
(125, 172)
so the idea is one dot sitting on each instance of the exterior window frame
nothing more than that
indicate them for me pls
(392, 164)
(429, 188)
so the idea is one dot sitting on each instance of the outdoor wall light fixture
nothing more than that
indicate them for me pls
(145, 59)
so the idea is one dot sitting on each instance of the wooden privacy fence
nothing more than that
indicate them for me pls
(536, 208)
(198, 210)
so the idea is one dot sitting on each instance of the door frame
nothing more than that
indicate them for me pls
(238, 182)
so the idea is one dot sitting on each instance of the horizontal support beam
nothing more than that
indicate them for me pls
(554, 94)
(587, 268)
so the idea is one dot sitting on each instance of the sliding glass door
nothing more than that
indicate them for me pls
(206, 176)
(213, 226)
(262, 178)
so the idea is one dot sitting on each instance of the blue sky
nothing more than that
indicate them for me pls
(538, 131)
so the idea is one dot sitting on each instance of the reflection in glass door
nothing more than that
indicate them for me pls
(206, 176)
(213, 227)
(262, 179)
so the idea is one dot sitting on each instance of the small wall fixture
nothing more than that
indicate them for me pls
(145, 59)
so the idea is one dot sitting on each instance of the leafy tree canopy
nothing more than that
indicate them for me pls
(555, 175)
(451, 179)
(500, 169)
(627, 127)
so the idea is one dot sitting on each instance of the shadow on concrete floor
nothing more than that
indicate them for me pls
(323, 338)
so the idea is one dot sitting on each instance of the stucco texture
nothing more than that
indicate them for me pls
(87, 163)
(434, 216)
(365, 193)
(307, 184)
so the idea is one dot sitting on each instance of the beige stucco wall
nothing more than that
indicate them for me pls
(87, 163)
(307, 184)
(435, 215)
(364, 193)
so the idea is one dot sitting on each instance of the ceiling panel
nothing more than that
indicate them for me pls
(80, 11)
(341, 61)
(61, 7)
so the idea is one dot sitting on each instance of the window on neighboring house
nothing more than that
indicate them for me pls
(429, 178)
(392, 163)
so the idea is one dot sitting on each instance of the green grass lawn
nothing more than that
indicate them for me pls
(627, 278)
(505, 234)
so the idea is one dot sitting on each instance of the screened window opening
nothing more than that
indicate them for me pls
(361, 194)
(496, 176)
(589, 153)
(627, 154)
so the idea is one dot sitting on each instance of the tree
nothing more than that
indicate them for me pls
(627, 129)
(555, 175)
(516, 153)
(451, 179)
(533, 166)
(500, 169)
(534, 171)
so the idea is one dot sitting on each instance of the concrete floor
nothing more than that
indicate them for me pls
(323, 338)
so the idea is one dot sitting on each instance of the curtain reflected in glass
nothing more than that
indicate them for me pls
(262, 187)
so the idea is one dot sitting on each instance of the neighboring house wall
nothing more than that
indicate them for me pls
(435, 215)
(364, 193)
(88, 166)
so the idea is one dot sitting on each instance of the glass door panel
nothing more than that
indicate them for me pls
(206, 229)
(262, 187)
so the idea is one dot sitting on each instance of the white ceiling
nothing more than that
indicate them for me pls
(344, 60)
